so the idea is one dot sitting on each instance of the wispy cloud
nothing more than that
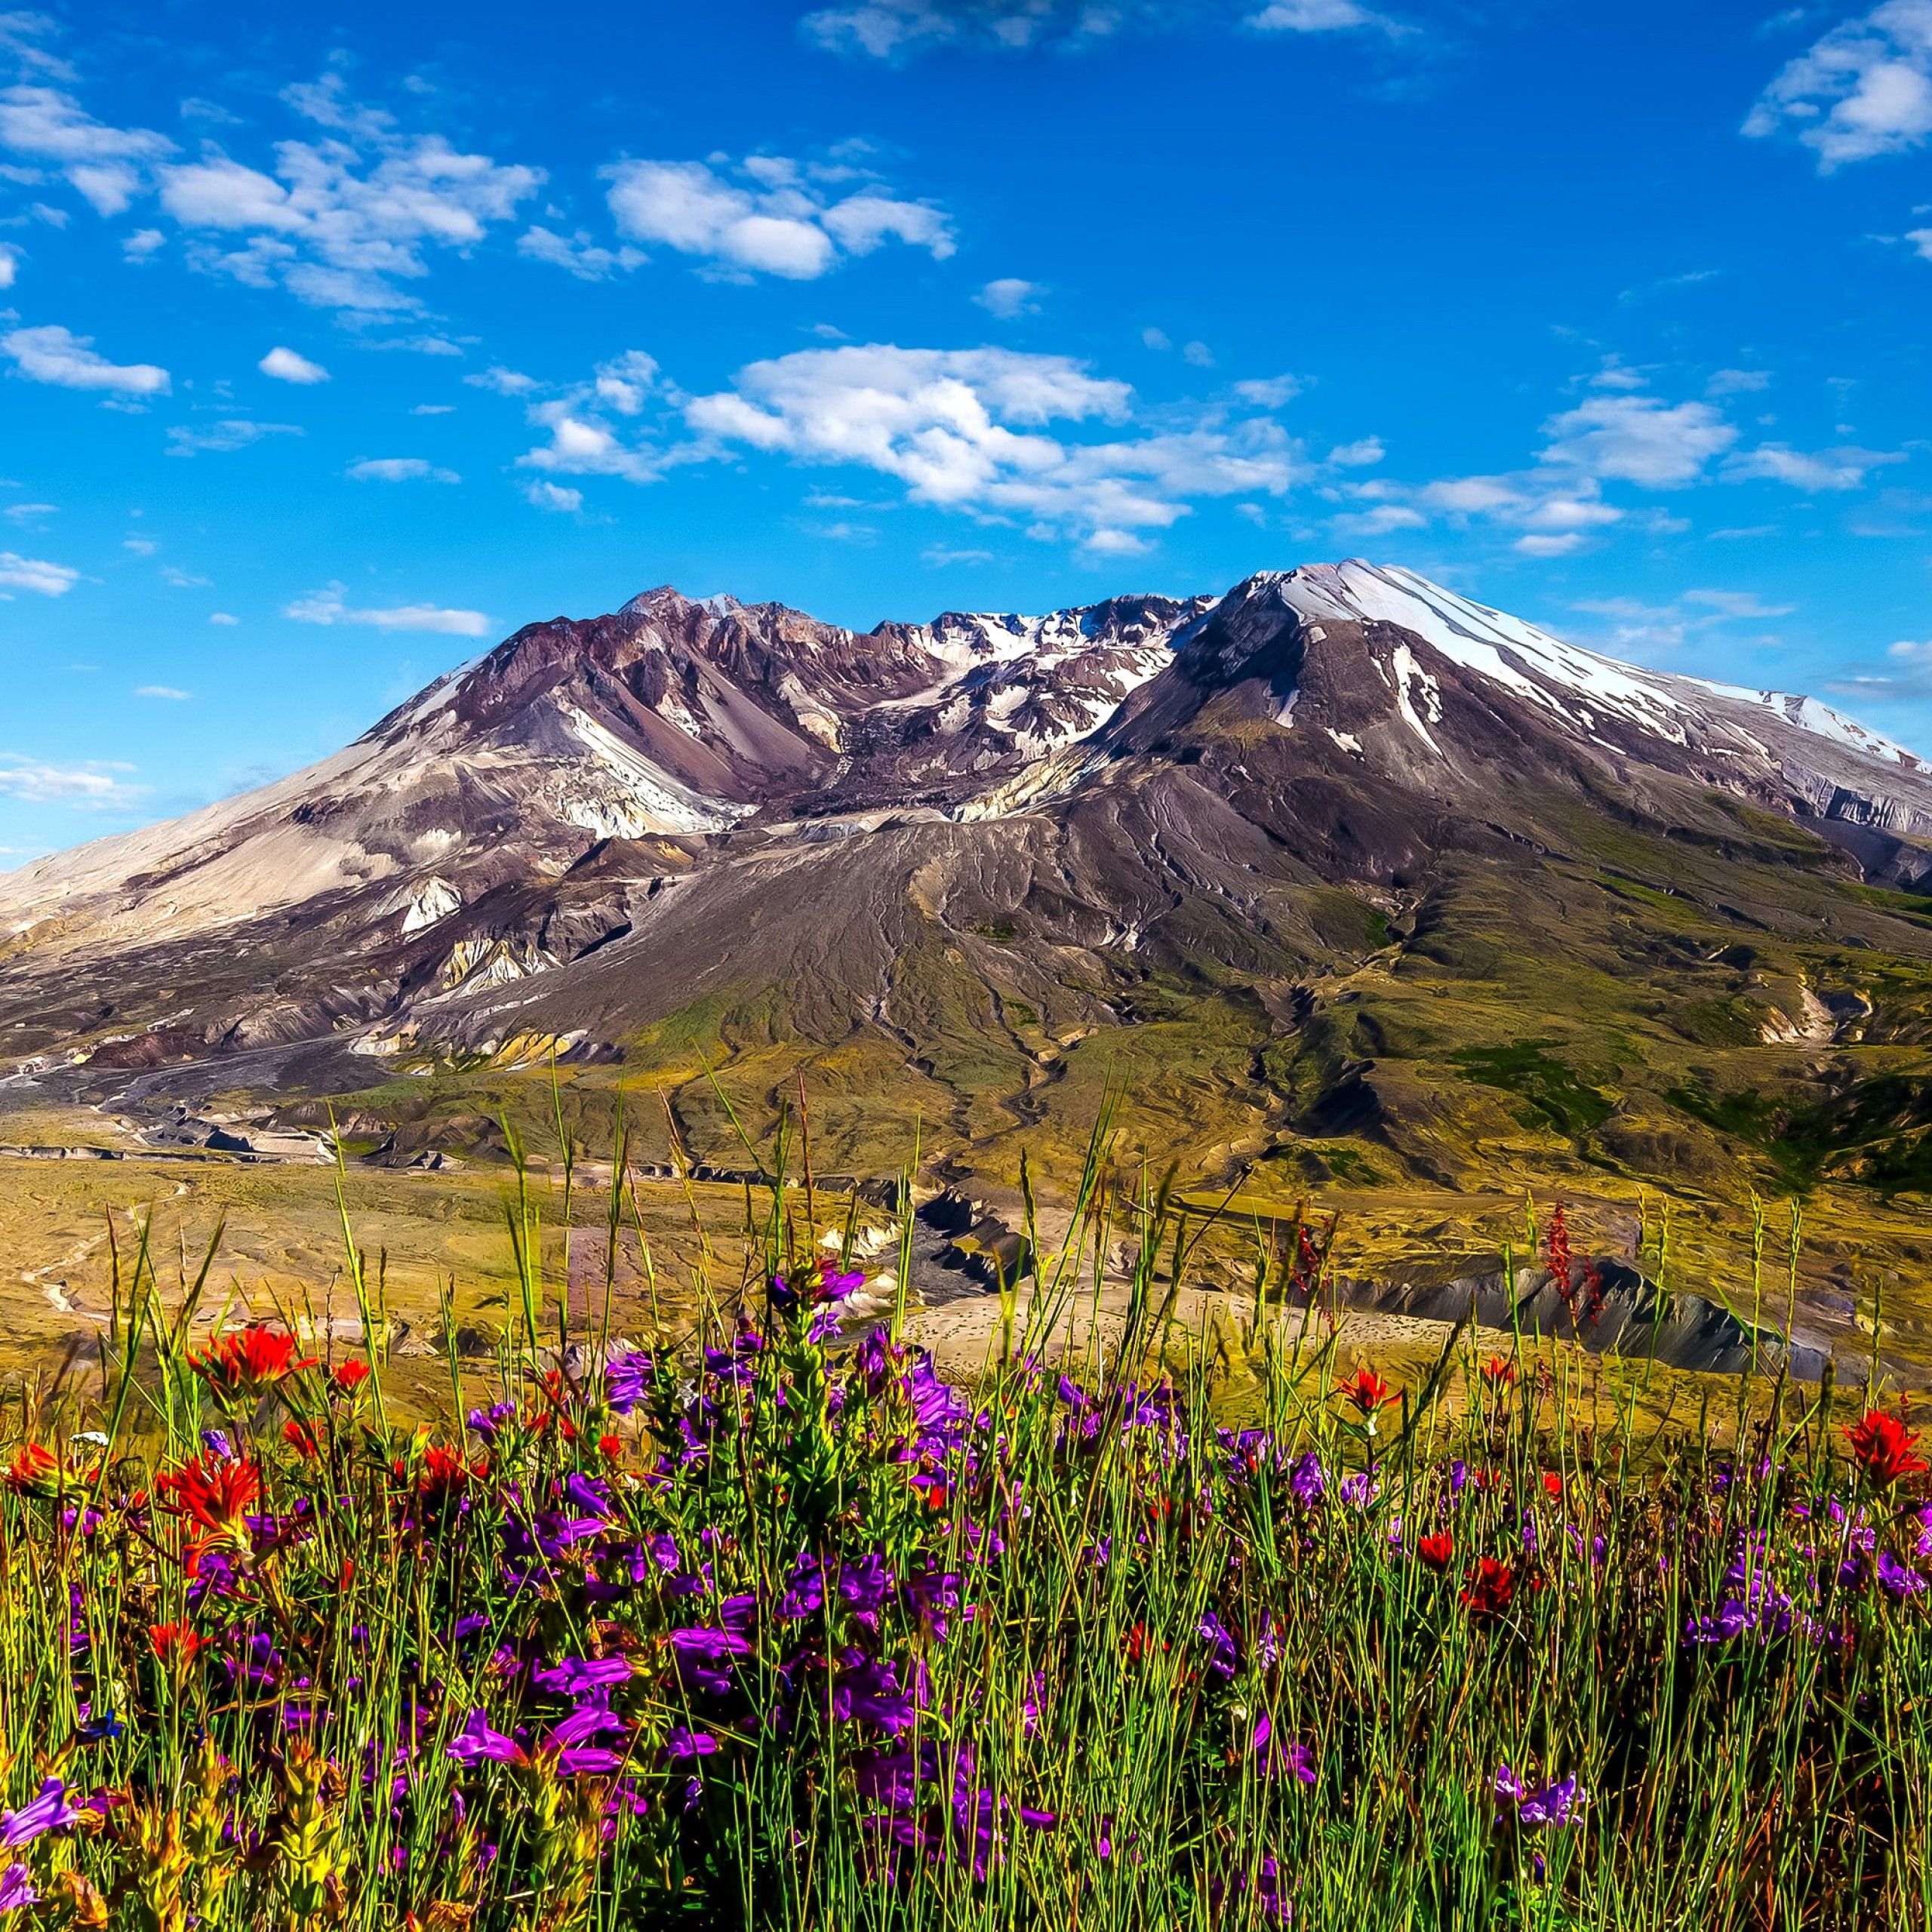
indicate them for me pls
(96, 785)
(57, 355)
(399, 469)
(35, 573)
(231, 433)
(330, 606)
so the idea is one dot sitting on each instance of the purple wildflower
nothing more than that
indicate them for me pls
(1899, 1580)
(1308, 1481)
(627, 1381)
(1560, 1802)
(49, 1812)
(17, 1890)
(477, 1741)
(573, 1675)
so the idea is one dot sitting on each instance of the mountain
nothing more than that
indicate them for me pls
(1348, 876)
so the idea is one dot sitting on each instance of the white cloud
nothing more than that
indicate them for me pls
(967, 429)
(181, 580)
(433, 409)
(331, 607)
(1635, 625)
(1361, 454)
(399, 469)
(93, 786)
(167, 691)
(1198, 353)
(222, 617)
(233, 433)
(785, 223)
(9, 262)
(139, 546)
(1738, 382)
(342, 221)
(106, 165)
(1826, 469)
(1156, 339)
(897, 30)
(1535, 544)
(1865, 89)
(1266, 392)
(286, 366)
(583, 442)
(1318, 17)
(1639, 439)
(554, 497)
(578, 254)
(30, 513)
(1008, 297)
(504, 382)
(19, 573)
(57, 355)
(142, 243)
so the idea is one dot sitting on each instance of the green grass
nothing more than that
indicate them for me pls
(754, 1628)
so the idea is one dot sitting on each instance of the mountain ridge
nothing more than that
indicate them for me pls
(1325, 836)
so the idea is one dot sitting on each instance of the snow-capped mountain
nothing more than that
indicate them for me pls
(604, 820)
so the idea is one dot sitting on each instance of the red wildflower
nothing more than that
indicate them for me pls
(611, 1448)
(211, 1490)
(1882, 1446)
(174, 1643)
(1552, 1483)
(1499, 1369)
(1367, 1390)
(1556, 1253)
(350, 1376)
(31, 1466)
(1437, 1552)
(444, 1472)
(1487, 1587)
(301, 1439)
(246, 1360)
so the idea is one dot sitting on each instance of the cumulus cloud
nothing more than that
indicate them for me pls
(1639, 439)
(9, 264)
(1266, 391)
(546, 496)
(330, 606)
(95, 786)
(342, 222)
(582, 440)
(778, 217)
(106, 165)
(997, 434)
(57, 355)
(578, 254)
(399, 469)
(1864, 90)
(232, 433)
(1008, 297)
(286, 366)
(35, 573)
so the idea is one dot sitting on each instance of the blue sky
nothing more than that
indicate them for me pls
(332, 350)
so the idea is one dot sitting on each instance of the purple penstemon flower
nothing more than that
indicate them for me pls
(49, 1812)
(627, 1381)
(574, 1675)
(1559, 1803)
(477, 1741)
(1308, 1481)
(1899, 1580)
(16, 1889)
(1274, 1758)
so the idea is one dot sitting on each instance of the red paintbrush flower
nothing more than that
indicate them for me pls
(212, 1490)
(174, 1643)
(350, 1376)
(1498, 1370)
(1882, 1446)
(29, 1470)
(301, 1439)
(246, 1360)
(1488, 1588)
(1437, 1551)
(444, 1472)
(1552, 1483)
(1367, 1390)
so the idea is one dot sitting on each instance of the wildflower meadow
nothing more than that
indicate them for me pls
(753, 1620)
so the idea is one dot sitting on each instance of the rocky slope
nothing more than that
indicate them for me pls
(1340, 867)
